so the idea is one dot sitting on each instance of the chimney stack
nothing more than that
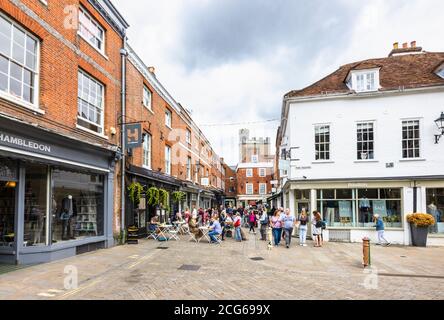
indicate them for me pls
(413, 49)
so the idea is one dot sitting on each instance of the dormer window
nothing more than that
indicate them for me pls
(441, 73)
(364, 80)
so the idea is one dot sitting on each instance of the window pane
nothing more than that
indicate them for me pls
(344, 194)
(368, 193)
(16, 88)
(28, 93)
(3, 82)
(5, 27)
(5, 45)
(328, 194)
(16, 71)
(19, 37)
(7, 209)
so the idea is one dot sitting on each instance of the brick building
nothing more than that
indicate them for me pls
(230, 185)
(60, 85)
(255, 171)
(175, 156)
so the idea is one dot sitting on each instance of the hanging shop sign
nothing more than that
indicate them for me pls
(133, 135)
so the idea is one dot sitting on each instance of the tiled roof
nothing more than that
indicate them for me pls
(407, 71)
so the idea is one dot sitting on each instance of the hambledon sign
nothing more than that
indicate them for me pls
(24, 143)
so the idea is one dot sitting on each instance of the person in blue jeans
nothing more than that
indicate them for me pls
(276, 224)
(216, 229)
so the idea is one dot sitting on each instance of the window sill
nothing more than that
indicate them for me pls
(149, 109)
(322, 161)
(169, 127)
(146, 167)
(89, 43)
(21, 103)
(413, 159)
(92, 132)
(366, 161)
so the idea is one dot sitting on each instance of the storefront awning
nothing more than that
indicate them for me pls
(154, 176)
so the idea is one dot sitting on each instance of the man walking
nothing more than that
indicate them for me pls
(289, 222)
(264, 224)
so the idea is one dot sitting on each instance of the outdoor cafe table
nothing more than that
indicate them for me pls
(164, 231)
(205, 231)
(181, 226)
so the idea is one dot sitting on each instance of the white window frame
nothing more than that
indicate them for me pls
(147, 151)
(168, 160)
(147, 95)
(36, 95)
(254, 158)
(316, 144)
(189, 177)
(441, 73)
(262, 189)
(168, 118)
(247, 185)
(188, 136)
(367, 142)
(249, 173)
(93, 21)
(262, 172)
(365, 80)
(409, 121)
(102, 120)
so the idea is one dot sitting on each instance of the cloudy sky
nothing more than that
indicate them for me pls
(231, 61)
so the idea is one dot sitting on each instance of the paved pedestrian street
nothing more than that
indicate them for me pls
(246, 270)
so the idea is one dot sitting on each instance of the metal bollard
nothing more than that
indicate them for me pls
(366, 252)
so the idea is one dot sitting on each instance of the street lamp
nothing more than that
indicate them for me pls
(440, 124)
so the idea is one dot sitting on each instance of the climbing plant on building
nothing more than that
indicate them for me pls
(178, 196)
(135, 191)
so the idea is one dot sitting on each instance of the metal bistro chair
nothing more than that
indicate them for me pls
(174, 233)
(152, 232)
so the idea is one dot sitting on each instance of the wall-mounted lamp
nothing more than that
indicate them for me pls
(440, 124)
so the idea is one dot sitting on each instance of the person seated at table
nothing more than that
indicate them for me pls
(154, 222)
(179, 217)
(215, 230)
(228, 226)
(194, 227)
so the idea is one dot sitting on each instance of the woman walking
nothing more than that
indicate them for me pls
(289, 222)
(252, 220)
(276, 224)
(303, 219)
(316, 227)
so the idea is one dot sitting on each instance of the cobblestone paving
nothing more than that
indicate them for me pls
(228, 272)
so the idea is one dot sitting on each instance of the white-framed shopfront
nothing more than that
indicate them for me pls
(309, 195)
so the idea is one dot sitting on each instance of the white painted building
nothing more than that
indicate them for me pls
(362, 141)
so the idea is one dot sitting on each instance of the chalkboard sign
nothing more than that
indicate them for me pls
(345, 209)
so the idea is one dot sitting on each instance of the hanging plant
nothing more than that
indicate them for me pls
(135, 190)
(153, 196)
(164, 198)
(178, 196)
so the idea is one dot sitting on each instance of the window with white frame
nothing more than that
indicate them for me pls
(18, 62)
(365, 141)
(366, 82)
(90, 103)
(188, 136)
(189, 168)
(167, 160)
(91, 31)
(411, 139)
(322, 142)
(262, 188)
(147, 151)
(441, 73)
(249, 188)
(262, 172)
(168, 118)
(255, 158)
(249, 173)
(147, 97)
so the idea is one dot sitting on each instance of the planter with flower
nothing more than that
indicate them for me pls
(419, 227)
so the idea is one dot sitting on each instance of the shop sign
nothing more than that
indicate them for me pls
(357, 185)
(133, 134)
(11, 140)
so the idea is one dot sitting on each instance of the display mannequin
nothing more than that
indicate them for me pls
(364, 206)
(331, 212)
(432, 209)
(67, 217)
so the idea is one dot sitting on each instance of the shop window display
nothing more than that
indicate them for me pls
(385, 202)
(435, 207)
(35, 205)
(77, 205)
(337, 207)
(8, 188)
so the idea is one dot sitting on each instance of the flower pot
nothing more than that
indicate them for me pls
(419, 235)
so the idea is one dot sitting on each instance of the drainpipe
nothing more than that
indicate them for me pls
(415, 197)
(123, 54)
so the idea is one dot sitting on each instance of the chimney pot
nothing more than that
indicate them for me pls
(396, 46)
(405, 45)
(152, 69)
(413, 44)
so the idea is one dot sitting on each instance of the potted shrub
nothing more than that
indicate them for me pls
(419, 227)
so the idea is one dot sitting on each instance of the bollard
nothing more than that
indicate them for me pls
(366, 252)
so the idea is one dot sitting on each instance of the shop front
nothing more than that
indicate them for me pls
(56, 195)
(140, 213)
(348, 208)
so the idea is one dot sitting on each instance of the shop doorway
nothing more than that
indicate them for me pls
(7, 213)
(301, 205)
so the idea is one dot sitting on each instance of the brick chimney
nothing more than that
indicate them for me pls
(413, 49)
